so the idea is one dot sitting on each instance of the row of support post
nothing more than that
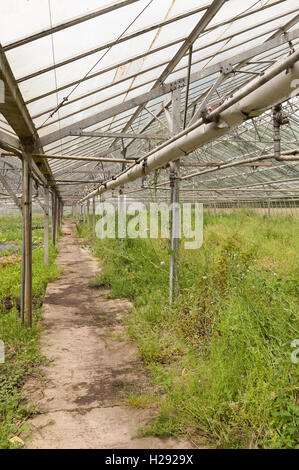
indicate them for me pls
(83, 212)
(93, 215)
(87, 211)
(175, 204)
(176, 122)
(175, 197)
(57, 214)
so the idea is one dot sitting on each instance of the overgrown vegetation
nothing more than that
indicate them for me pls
(222, 355)
(22, 355)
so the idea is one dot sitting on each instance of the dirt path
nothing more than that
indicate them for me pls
(82, 399)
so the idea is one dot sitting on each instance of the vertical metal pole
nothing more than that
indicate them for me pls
(23, 250)
(87, 211)
(276, 126)
(57, 216)
(27, 214)
(175, 203)
(46, 227)
(60, 213)
(121, 203)
(187, 86)
(54, 219)
(269, 206)
(122, 222)
(94, 215)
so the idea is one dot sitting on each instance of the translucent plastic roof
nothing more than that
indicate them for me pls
(72, 60)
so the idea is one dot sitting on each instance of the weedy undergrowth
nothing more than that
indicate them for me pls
(222, 354)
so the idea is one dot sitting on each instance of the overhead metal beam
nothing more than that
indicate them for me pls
(234, 178)
(145, 70)
(204, 190)
(14, 109)
(83, 172)
(287, 180)
(285, 28)
(66, 167)
(144, 31)
(75, 181)
(234, 163)
(17, 115)
(68, 24)
(118, 40)
(216, 164)
(104, 70)
(13, 147)
(9, 143)
(103, 115)
(89, 159)
(226, 73)
(155, 117)
(187, 87)
(210, 92)
(69, 167)
(80, 149)
(201, 25)
(117, 95)
(153, 67)
(10, 191)
(195, 33)
(120, 135)
(67, 183)
(250, 100)
(166, 88)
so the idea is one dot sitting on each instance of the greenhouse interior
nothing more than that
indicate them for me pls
(128, 128)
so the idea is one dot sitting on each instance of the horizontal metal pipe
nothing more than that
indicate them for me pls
(67, 24)
(204, 190)
(233, 164)
(89, 159)
(288, 158)
(274, 86)
(217, 164)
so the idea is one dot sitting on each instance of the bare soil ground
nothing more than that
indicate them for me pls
(81, 402)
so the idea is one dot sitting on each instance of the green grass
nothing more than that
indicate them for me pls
(222, 356)
(11, 228)
(22, 354)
